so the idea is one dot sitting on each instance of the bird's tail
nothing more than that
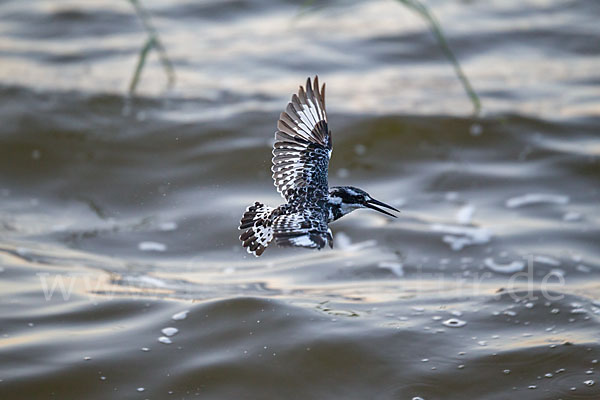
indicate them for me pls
(258, 228)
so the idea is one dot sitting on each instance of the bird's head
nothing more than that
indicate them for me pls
(350, 198)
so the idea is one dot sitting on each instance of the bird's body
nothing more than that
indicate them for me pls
(301, 156)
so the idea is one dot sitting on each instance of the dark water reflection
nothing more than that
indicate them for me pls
(118, 219)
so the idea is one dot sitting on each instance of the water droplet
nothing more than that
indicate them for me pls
(343, 173)
(548, 375)
(571, 216)
(87, 358)
(454, 323)
(180, 315)
(461, 366)
(506, 371)
(555, 311)
(152, 246)
(169, 331)
(532, 387)
(102, 378)
(167, 226)
(164, 340)
(425, 360)
(589, 383)
(418, 398)
(589, 372)
(360, 149)
(145, 349)
(475, 129)
(140, 389)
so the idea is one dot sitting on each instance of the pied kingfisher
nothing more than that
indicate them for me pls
(300, 161)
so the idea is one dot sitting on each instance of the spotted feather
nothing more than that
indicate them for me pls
(257, 222)
(306, 227)
(303, 144)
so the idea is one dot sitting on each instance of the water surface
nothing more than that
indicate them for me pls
(118, 218)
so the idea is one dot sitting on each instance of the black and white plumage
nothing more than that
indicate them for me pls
(301, 156)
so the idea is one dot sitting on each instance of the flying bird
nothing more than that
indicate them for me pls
(301, 156)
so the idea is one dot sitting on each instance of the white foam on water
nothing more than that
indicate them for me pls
(396, 267)
(512, 267)
(536, 198)
(465, 214)
(145, 281)
(152, 246)
(343, 242)
(546, 260)
(460, 236)
(583, 268)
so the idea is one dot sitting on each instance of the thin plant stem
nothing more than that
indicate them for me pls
(436, 30)
(152, 42)
(418, 7)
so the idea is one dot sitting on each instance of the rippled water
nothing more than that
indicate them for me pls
(121, 275)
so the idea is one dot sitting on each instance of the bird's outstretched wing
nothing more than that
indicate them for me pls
(305, 228)
(302, 142)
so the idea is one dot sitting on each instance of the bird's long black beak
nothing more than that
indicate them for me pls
(372, 203)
